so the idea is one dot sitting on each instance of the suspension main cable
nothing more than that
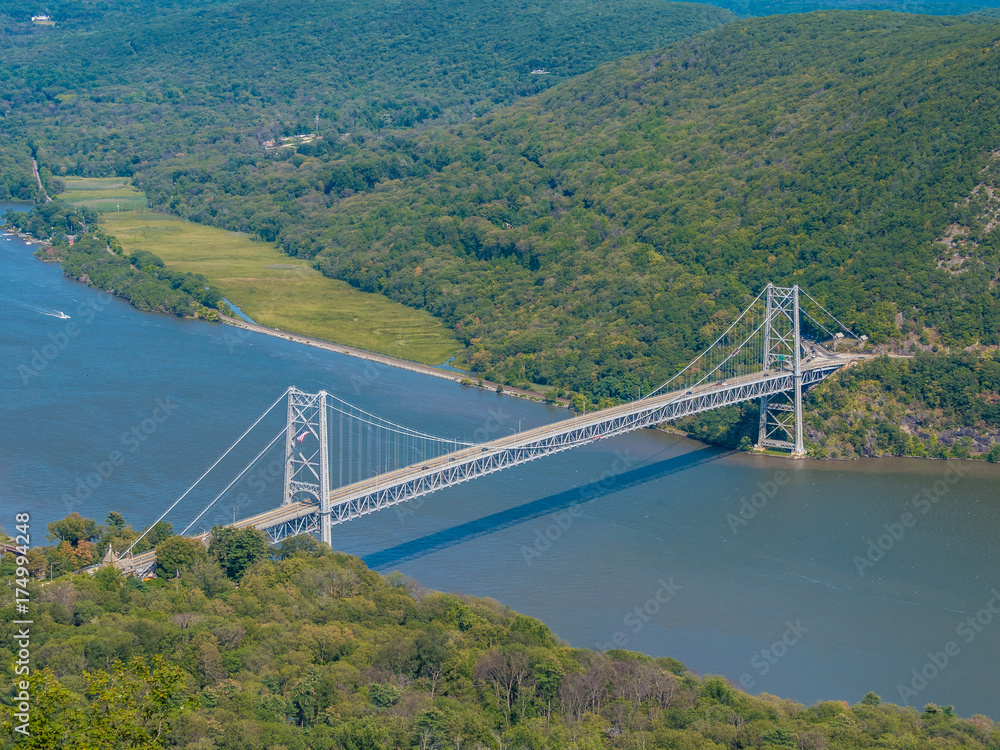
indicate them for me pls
(228, 451)
(745, 341)
(711, 372)
(235, 479)
(383, 425)
(828, 313)
(827, 330)
(706, 351)
(377, 418)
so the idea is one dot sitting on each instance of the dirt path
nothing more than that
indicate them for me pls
(38, 179)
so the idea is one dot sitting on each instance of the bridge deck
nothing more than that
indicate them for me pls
(385, 490)
(421, 478)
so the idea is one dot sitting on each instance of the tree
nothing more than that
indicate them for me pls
(64, 558)
(962, 448)
(434, 649)
(237, 550)
(781, 737)
(74, 528)
(363, 733)
(304, 543)
(38, 565)
(129, 707)
(132, 705)
(508, 671)
(162, 530)
(177, 553)
(218, 544)
(548, 675)
(51, 704)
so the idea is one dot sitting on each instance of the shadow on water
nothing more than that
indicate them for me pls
(441, 540)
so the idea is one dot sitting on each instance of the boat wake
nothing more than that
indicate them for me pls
(33, 308)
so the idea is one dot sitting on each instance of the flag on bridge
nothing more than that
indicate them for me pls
(302, 437)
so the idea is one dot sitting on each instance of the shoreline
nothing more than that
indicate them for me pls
(383, 359)
(460, 377)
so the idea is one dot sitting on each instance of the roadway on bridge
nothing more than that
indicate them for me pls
(818, 358)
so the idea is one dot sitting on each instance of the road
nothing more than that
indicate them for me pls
(818, 358)
(38, 179)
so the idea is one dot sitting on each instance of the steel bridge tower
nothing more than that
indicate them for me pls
(781, 414)
(307, 455)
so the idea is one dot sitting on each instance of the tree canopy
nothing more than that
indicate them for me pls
(597, 236)
(591, 237)
(317, 651)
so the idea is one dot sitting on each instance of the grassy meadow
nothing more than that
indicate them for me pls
(283, 292)
(272, 288)
(103, 194)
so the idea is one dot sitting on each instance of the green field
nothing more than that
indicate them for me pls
(103, 194)
(283, 292)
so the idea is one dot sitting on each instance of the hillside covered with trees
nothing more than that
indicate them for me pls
(233, 647)
(598, 235)
(929, 7)
(595, 235)
(16, 179)
(110, 93)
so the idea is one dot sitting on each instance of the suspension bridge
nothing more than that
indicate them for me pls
(378, 463)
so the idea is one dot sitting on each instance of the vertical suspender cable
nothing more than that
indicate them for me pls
(228, 451)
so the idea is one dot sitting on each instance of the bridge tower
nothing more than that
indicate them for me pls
(307, 456)
(781, 415)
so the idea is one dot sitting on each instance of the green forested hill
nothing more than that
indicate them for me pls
(114, 96)
(16, 179)
(595, 236)
(16, 25)
(931, 7)
(592, 237)
(313, 651)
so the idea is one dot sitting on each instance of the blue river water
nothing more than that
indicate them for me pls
(810, 580)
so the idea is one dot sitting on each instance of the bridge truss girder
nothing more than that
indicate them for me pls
(306, 524)
(649, 414)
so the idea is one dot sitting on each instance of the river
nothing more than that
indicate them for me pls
(810, 580)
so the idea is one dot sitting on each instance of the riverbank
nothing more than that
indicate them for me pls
(382, 359)
(610, 518)
(876, 419)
